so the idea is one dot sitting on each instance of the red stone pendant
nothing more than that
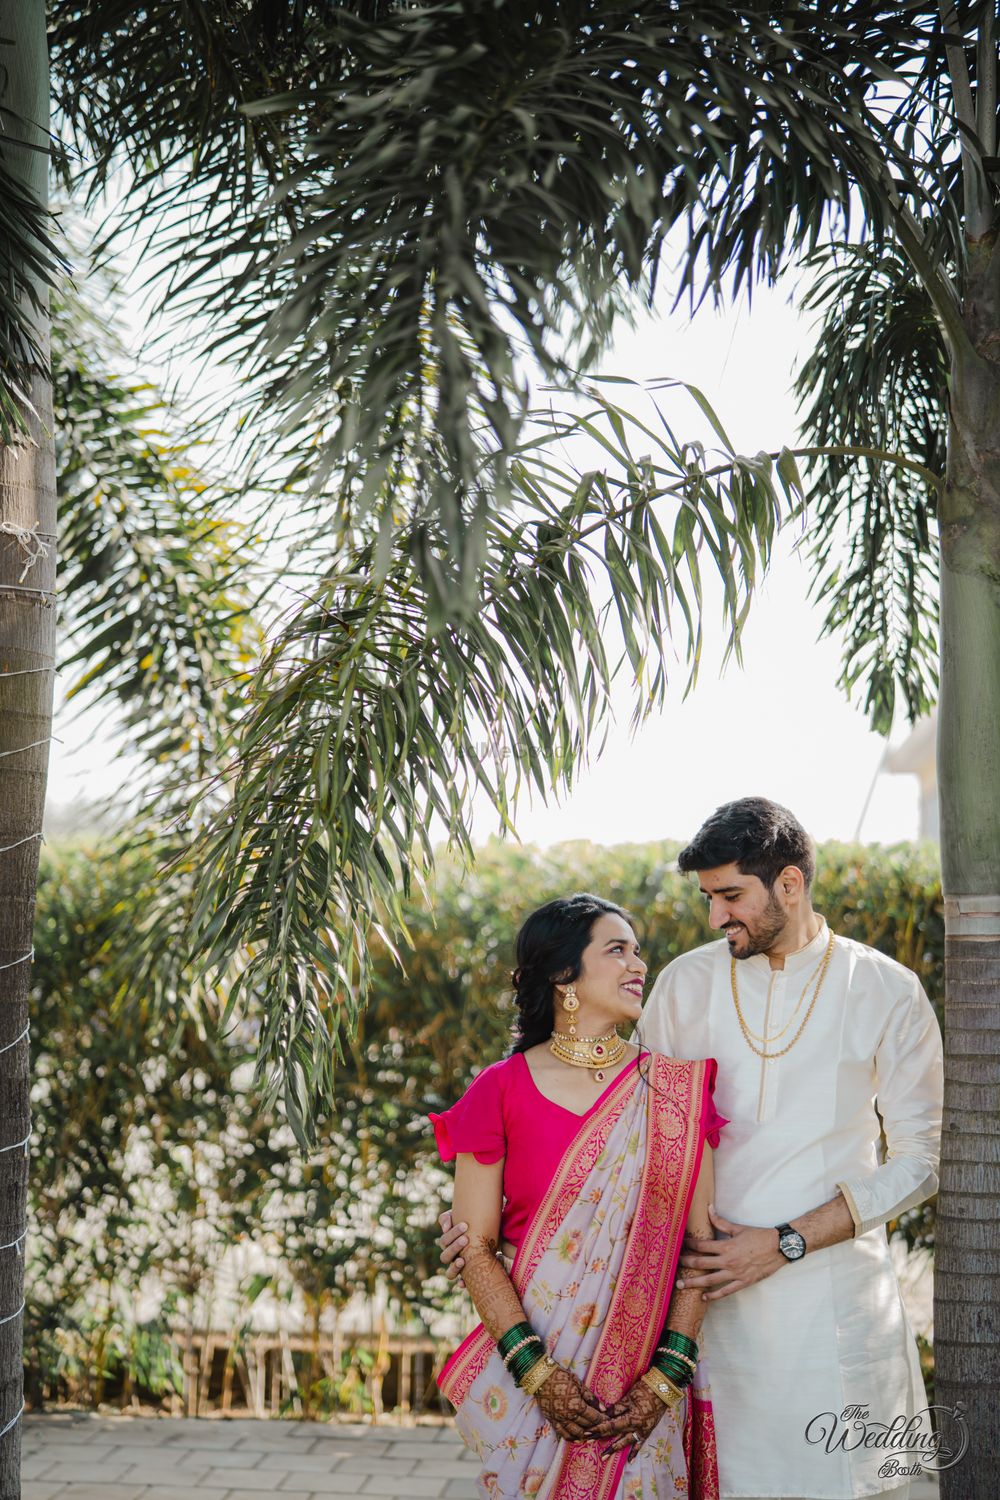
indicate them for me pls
(599, 1076)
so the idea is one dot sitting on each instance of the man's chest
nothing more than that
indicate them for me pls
(784, 1052)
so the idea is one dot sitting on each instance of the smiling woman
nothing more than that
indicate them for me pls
(584, 1159)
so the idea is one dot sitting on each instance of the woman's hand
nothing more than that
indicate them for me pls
(630, 1421)
(569, 1406)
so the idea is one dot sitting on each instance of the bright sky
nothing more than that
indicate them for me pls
(779, 727)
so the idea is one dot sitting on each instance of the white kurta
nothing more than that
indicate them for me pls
(828, 1331)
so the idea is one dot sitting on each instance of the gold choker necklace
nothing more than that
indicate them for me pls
(597, 1052)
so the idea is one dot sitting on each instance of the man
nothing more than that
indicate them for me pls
(812, 1361)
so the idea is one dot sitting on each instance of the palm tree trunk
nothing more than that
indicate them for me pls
(967, 1268)
(27, 645)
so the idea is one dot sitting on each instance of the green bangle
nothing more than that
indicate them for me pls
(675, 1358)
(681, 1375)
(525, 1360)
(514, 1336)
(676, 1354)
(527, 1349)
(680, 1342)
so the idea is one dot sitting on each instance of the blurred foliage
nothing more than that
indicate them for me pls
(167, 1199)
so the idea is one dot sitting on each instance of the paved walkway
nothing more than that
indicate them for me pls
(77, 1456)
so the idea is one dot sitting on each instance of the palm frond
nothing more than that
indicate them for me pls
(156, 564)
(877, 378)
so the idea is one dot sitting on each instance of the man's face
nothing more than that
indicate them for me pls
(751, 916)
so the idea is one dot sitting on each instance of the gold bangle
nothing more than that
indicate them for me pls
(539, 1373)
(664, 1388)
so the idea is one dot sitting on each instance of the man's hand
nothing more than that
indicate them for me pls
(453, 1241)
(630, 1421)
(725, 1266)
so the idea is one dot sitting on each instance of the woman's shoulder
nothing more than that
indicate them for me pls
(502, 1069)
(475, 1122)
(495, 1078)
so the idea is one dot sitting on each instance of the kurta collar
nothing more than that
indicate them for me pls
(802, 959)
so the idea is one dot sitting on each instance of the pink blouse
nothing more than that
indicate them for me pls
(503, 1114)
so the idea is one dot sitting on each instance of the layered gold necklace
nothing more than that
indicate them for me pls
(818, 975)
(595, 1052)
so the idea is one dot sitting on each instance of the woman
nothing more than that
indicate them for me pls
(583, 1159)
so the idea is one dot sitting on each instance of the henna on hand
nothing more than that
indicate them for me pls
(490, 1288)
(643, 1411)
(563, 1401)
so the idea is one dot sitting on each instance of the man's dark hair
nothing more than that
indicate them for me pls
(757, 835)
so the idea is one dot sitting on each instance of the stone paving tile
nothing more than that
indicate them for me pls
(95, 1489)
(310, 1463)
(442, 1468)
(285, 1495)
(384, 1484)
(126, 1430)
(421, 1452)
(238, 1479)
(216, 1434)
(80, 1474)
(168, 1492)
(322, 1485)
(362, 1464)
(72, 1440)
(84, 1453)
(221, 1458)
(173, 1473)
(326, 1438)
(162, 1457)
(33, 1489)
(33, 1465)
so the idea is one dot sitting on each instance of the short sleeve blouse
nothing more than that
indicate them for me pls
(476, 1122)
(502, 1114)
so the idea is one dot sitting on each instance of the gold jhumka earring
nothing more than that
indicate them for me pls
(571, 1005)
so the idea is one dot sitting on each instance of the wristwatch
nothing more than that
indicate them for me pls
(790, 1242)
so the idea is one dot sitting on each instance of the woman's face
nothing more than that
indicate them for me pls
(610, 985)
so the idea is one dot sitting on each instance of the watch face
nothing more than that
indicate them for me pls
(792, 1245)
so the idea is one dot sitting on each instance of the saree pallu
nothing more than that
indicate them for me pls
(594, 1273)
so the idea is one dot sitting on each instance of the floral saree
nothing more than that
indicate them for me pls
(594, 1273)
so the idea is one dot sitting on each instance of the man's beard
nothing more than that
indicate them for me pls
(764, 932)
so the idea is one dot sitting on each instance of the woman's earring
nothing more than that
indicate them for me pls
(571, 1004)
